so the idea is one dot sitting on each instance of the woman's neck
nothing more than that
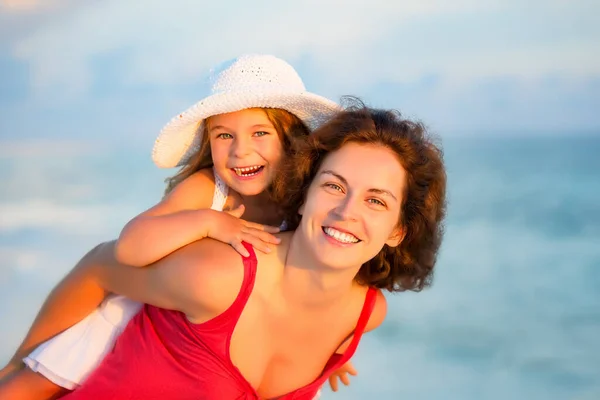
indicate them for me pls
(312, 284)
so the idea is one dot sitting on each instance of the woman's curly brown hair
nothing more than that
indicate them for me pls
(408, 266)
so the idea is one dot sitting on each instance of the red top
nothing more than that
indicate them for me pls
(162, 355)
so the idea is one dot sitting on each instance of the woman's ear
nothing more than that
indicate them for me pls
(396, 237)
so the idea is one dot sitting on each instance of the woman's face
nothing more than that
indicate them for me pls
(245, 148)
(353, 205)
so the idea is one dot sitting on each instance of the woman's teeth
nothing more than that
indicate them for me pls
(248, 171)
(340, 236)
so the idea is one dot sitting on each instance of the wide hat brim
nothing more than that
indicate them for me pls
(181, 137)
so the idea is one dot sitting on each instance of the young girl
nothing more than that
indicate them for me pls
(229, 145)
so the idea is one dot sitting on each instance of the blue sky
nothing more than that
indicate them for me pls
(112, 70)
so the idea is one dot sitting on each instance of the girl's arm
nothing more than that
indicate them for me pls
(172, 283)
(182, 217)
(197, 279)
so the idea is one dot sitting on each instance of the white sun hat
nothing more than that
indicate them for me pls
(249, 81)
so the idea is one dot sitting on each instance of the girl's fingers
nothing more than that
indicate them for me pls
(261, 235)
(256, 242)
(351, 370)
(271, 229)
(333, 383)
(239, 247)
(344, 378)
(261, 227)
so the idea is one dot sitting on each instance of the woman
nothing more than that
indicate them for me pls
(365, 194)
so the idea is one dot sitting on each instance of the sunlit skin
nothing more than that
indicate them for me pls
(246, 149)
(353, 207)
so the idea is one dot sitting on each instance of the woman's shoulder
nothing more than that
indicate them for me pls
(379, 311)
(214, 270)
(212, 258)
(276, 258)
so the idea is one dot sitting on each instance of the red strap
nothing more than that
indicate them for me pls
(250, 263)
(363, 320)
(367, 310)
(232, 314)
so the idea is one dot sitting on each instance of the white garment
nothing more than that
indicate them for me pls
(68, 358)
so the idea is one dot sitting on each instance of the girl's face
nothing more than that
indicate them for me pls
(353, 206)
(246, 149)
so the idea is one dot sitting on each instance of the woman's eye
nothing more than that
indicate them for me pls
(224, 136)
(261, 133)
(376, 202)
(334, 187)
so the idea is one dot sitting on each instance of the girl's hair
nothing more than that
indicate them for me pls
(287, 125)
(408, 266)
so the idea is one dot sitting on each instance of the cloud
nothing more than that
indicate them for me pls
(19, 8)
(45, 169)
(20, 18)
(20, 5)
(114, 72)
(354, 41)
(21, 259)
(498, 105)
(30, 148)
(42, 214)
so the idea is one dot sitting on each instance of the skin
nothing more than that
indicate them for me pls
(241, 140)
(246, 137)
(361, 204)
(279, 343)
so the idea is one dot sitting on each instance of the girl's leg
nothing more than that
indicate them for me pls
(68, 303)
(25, 384)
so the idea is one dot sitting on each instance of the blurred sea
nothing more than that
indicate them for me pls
(514, 312)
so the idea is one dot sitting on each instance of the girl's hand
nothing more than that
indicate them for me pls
(228, 227)
(342, 374)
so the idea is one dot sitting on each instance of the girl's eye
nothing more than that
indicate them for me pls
(261, 133)
(376, 202)
(334, 187)
(224, 136)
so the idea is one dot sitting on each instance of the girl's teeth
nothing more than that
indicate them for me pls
(341, 236)
(247, 171)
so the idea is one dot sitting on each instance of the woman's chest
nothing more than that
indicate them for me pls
(277, 354)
